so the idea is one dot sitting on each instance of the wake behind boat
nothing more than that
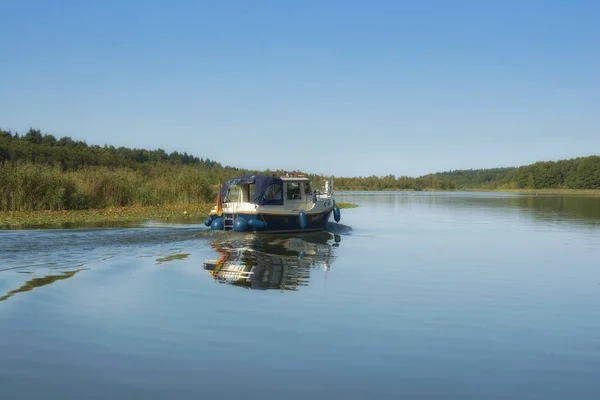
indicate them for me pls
(268, 203)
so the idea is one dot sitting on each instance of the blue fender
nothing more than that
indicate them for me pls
(240, 225)
(303, 220)
(208, 221)
(217, 224)
(336, 214)
(257, 224)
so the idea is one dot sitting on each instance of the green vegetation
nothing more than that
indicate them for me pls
(27, 187)
(69, 154)
(105, 216)
(39, 172)
(549, 192)
(578, 173)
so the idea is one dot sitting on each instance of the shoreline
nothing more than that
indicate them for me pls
(555, 192)
(111, 216)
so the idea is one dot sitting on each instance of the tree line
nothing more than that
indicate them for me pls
(69, 154)
(39, 171)
(576, 173)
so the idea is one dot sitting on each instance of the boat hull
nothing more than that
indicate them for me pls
(288, 222)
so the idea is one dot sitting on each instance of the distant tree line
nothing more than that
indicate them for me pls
(69, 154)
(39, 171)
(576, 173)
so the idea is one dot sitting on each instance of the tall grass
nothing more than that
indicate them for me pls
(27, 186)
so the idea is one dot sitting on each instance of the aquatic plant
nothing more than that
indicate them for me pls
(25, 186)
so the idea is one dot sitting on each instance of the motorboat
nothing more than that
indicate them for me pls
(269, 203)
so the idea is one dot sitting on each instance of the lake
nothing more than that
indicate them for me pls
(413, 295)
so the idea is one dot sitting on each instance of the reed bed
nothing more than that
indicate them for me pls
(26, 186)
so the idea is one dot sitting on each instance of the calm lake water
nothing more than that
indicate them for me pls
(414, 295)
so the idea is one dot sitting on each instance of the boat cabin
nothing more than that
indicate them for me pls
(266, 190)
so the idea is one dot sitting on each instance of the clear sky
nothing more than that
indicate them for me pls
(326, 86)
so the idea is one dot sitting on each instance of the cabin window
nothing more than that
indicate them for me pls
(234, 195)
(273, 192)
(307, 189)
(293, 191)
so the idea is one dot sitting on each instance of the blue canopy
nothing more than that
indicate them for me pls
(268, 190)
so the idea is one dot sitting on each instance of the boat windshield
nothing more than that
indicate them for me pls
(233, 195)
(293, 191)
(307, 188)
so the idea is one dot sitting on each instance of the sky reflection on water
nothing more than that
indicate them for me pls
(415, 295)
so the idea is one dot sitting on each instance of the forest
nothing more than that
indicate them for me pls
(41, 172)
(576, 173)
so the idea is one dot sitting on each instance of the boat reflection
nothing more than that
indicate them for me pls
(272, 262)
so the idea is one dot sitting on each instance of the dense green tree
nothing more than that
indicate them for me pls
(34, 136)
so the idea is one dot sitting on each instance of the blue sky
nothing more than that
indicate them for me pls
(334, 87)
